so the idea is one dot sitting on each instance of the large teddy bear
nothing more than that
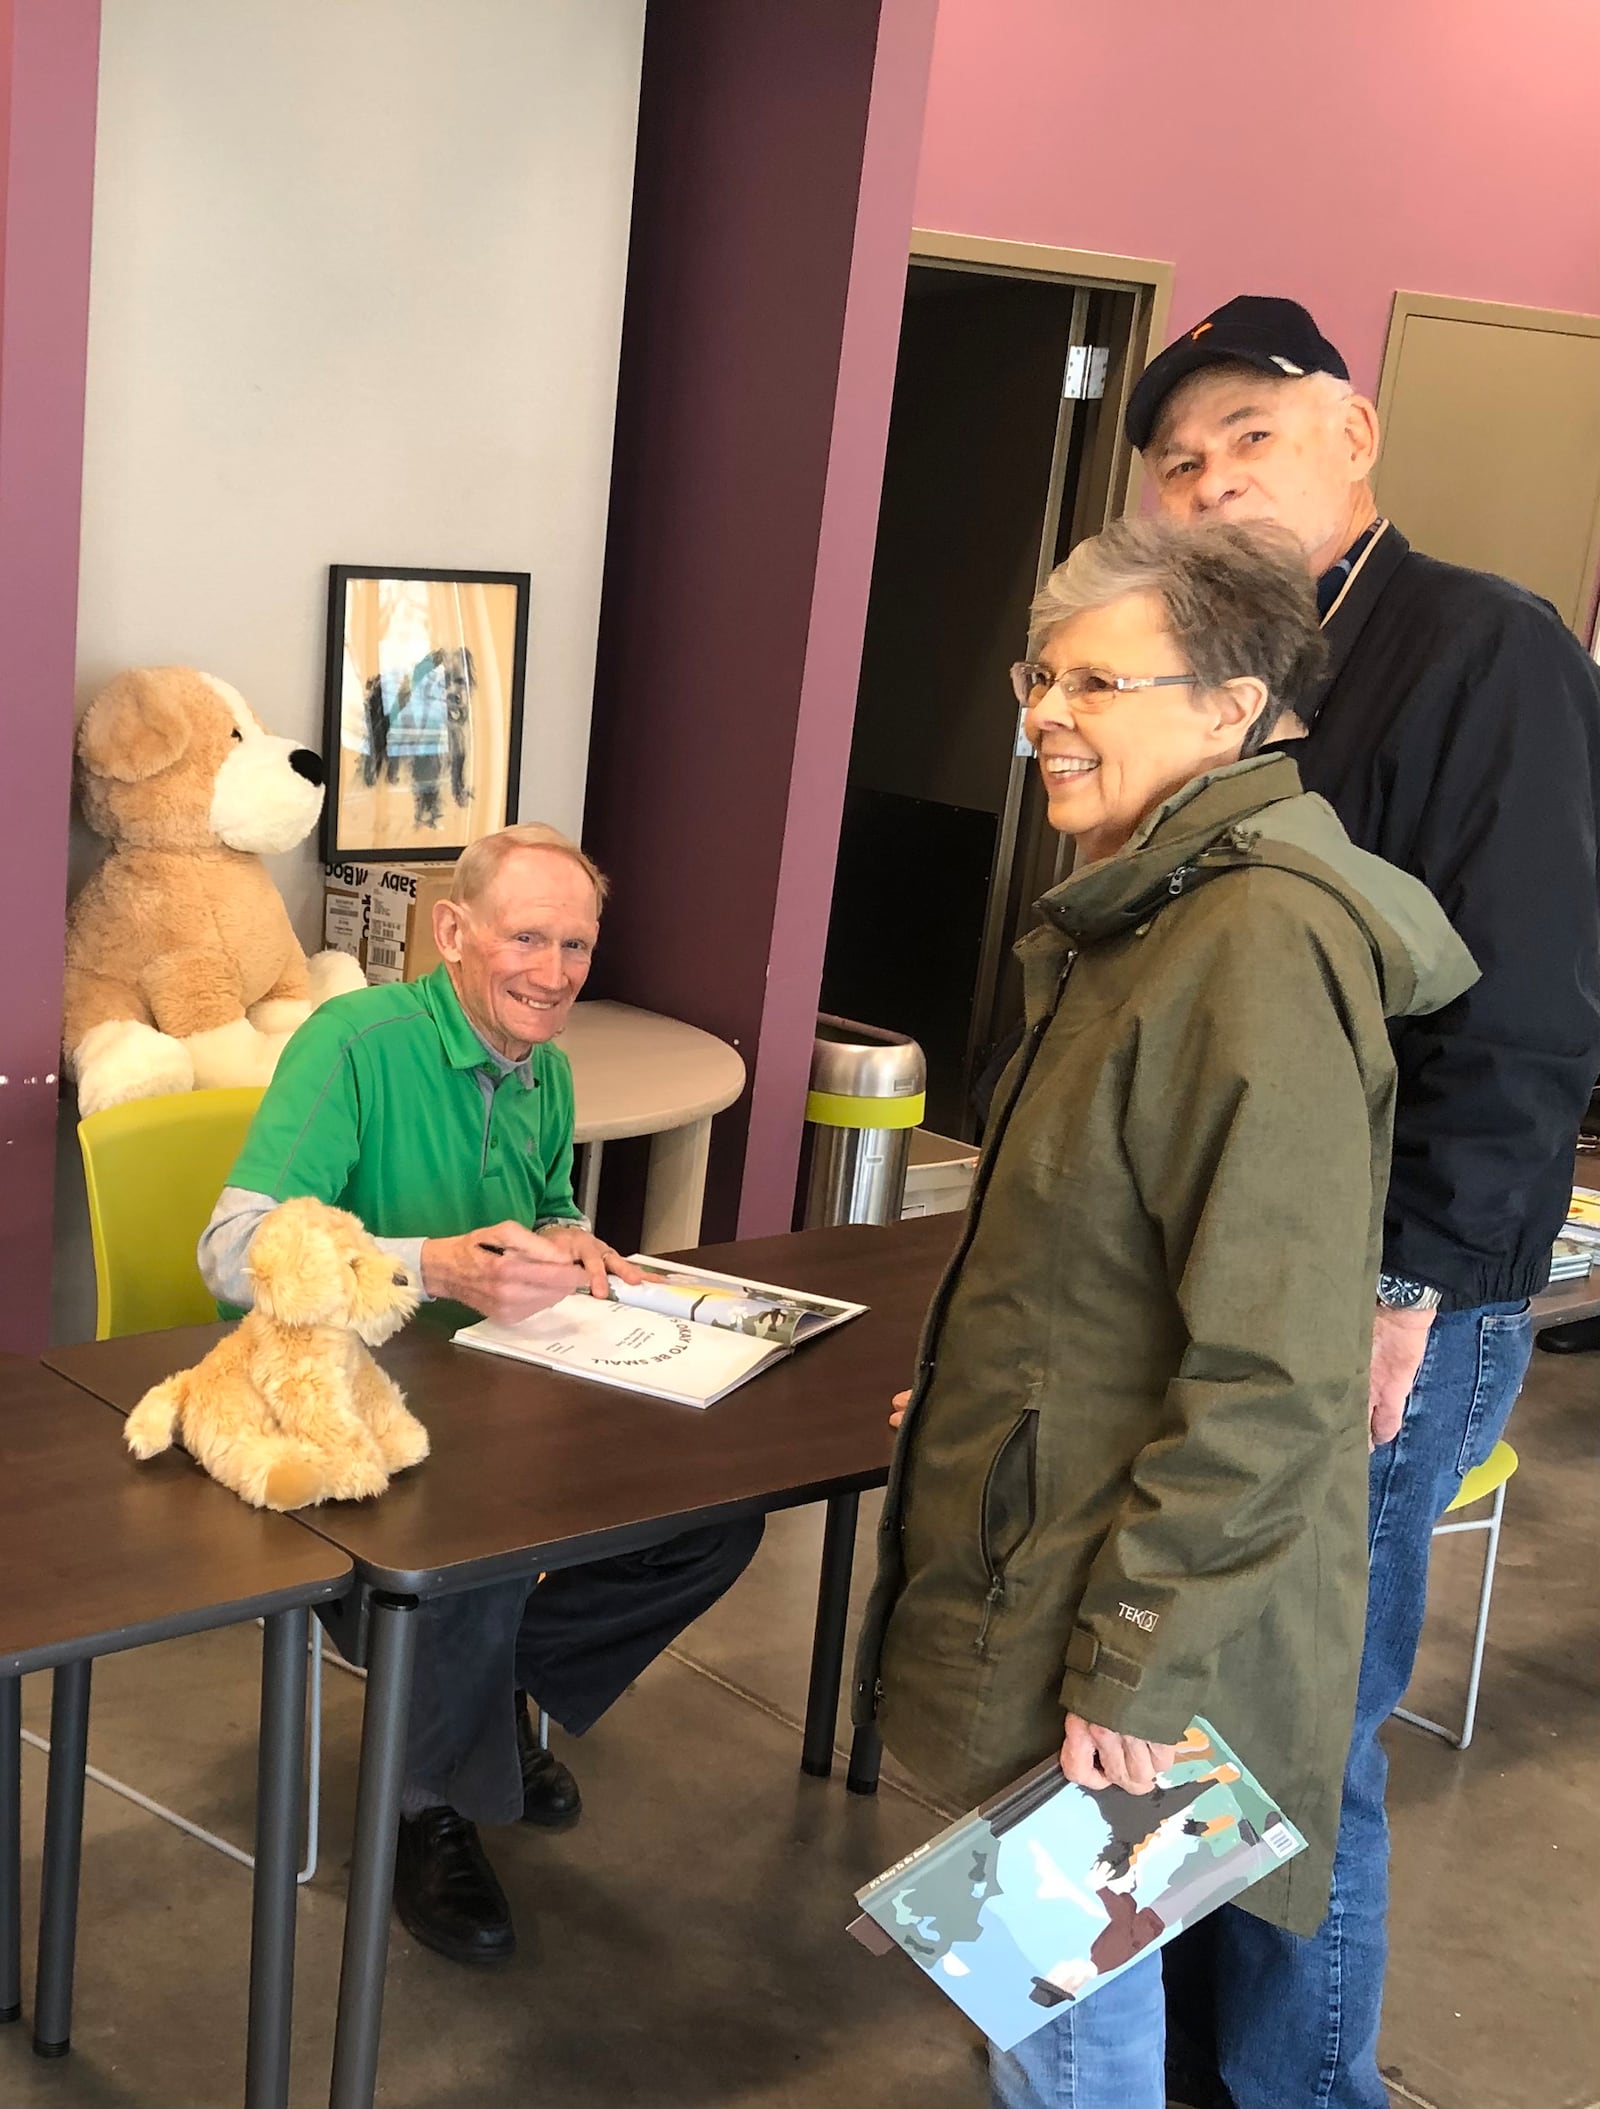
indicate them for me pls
(183, 971)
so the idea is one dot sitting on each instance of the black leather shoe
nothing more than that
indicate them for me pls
(1580, 1337)
(550, 1796)
(446, 1894)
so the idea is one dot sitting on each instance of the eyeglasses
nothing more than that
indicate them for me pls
(1087, 688)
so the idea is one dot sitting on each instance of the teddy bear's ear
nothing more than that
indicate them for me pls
(134, 728)
(296, 1269)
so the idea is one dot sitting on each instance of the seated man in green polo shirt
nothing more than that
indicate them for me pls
(440, 1113)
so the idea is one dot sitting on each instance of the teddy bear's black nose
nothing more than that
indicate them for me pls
(304, 763)
(402, 1281)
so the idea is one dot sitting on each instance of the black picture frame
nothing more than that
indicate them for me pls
(422, 711)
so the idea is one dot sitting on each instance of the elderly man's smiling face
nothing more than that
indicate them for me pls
(1231, 444)
(519, 954)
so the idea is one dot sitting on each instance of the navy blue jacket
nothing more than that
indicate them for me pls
(1458, 735)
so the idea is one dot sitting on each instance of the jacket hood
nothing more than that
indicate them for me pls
(1254, 814)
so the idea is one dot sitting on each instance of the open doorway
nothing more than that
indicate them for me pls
(1004, 449)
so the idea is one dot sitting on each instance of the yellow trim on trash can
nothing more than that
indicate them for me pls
(838, 1109)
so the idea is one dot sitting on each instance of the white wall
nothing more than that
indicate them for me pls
(356, 297)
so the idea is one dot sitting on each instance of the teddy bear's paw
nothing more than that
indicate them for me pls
(290, 1483)
(333, 974)
(355, 1478)
(150, 1427)
(404, 1443)
(233, 1054)
(123, 1060)
(278, 1014)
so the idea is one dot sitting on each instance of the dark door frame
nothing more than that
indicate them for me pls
(1110, 481)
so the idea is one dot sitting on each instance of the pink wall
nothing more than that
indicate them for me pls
(1331, 153)
(49, 55)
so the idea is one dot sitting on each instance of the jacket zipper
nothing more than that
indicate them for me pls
(890, 1522)
(994, 1564)
(997, 1590)
(941, 1301)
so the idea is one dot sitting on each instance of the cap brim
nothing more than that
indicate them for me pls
(1173, 367)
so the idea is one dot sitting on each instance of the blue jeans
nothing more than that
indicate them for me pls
(1108, 2053)
(1297, 2019)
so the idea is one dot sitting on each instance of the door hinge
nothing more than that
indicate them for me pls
(1086, 372)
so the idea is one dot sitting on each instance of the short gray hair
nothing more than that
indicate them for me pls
(1238, 601)
(481, 860)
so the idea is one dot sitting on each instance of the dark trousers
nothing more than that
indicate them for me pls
(574, 1642)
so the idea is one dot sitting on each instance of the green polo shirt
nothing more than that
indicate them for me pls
(387, 1103)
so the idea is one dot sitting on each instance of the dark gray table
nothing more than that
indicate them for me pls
(102, 1554)
(532, 1470)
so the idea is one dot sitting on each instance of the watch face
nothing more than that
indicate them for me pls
(1398, 1293)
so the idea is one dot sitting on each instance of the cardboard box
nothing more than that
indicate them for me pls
(940, 1174)
(382, 915)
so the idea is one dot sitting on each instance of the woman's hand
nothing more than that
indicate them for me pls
(898, 1405)
(1098, 1757)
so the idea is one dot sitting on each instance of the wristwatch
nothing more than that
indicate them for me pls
(1397, 1292)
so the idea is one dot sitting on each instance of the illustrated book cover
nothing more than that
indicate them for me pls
(1047, 1892)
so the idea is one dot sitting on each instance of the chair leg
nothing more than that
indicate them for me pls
(198, 1831)
(1491, 1555)
(313, 1758)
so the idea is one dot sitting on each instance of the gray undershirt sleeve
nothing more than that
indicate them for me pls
(224, 1249)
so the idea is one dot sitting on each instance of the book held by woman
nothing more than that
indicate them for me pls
(1047, 1892)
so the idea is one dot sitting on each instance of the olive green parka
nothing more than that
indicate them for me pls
(1132, 1480)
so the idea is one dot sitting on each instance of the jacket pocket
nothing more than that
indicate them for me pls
(1006, 1510)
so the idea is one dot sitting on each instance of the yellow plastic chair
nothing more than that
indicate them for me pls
(1491, 1477)
(153, 1170)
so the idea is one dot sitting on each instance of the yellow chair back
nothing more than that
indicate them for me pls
(1483, 1479)
(153, 1170)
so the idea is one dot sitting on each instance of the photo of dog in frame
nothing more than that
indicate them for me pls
(425, 673)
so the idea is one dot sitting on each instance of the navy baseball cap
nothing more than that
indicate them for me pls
(1278, 336)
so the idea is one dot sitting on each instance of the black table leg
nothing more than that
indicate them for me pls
(63, 1857)
(865, 1751)
(827, 1648)
(391, 1656)
(279, 1767)
(10, 1848)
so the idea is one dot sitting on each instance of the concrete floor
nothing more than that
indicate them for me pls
(684, 1947)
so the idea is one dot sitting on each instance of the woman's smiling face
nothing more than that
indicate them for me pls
(1106, 766)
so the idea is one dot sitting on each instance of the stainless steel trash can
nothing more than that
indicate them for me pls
(866, 1096)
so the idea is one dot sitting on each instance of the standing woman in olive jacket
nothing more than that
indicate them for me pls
(1131, 1484)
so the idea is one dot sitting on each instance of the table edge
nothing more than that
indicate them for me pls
(203, 1619)
(423, 1582)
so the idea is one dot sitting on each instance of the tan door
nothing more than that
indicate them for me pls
(1491, 441)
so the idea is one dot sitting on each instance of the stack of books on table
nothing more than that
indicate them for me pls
(1578, 1247)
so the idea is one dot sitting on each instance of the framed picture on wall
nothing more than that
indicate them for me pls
(423, 703)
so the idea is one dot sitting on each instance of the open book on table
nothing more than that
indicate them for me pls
(1047, 1892)
(683, 1333)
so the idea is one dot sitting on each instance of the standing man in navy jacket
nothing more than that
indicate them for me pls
(1458, 735)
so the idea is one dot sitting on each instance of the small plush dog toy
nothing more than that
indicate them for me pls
(290, 1409)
